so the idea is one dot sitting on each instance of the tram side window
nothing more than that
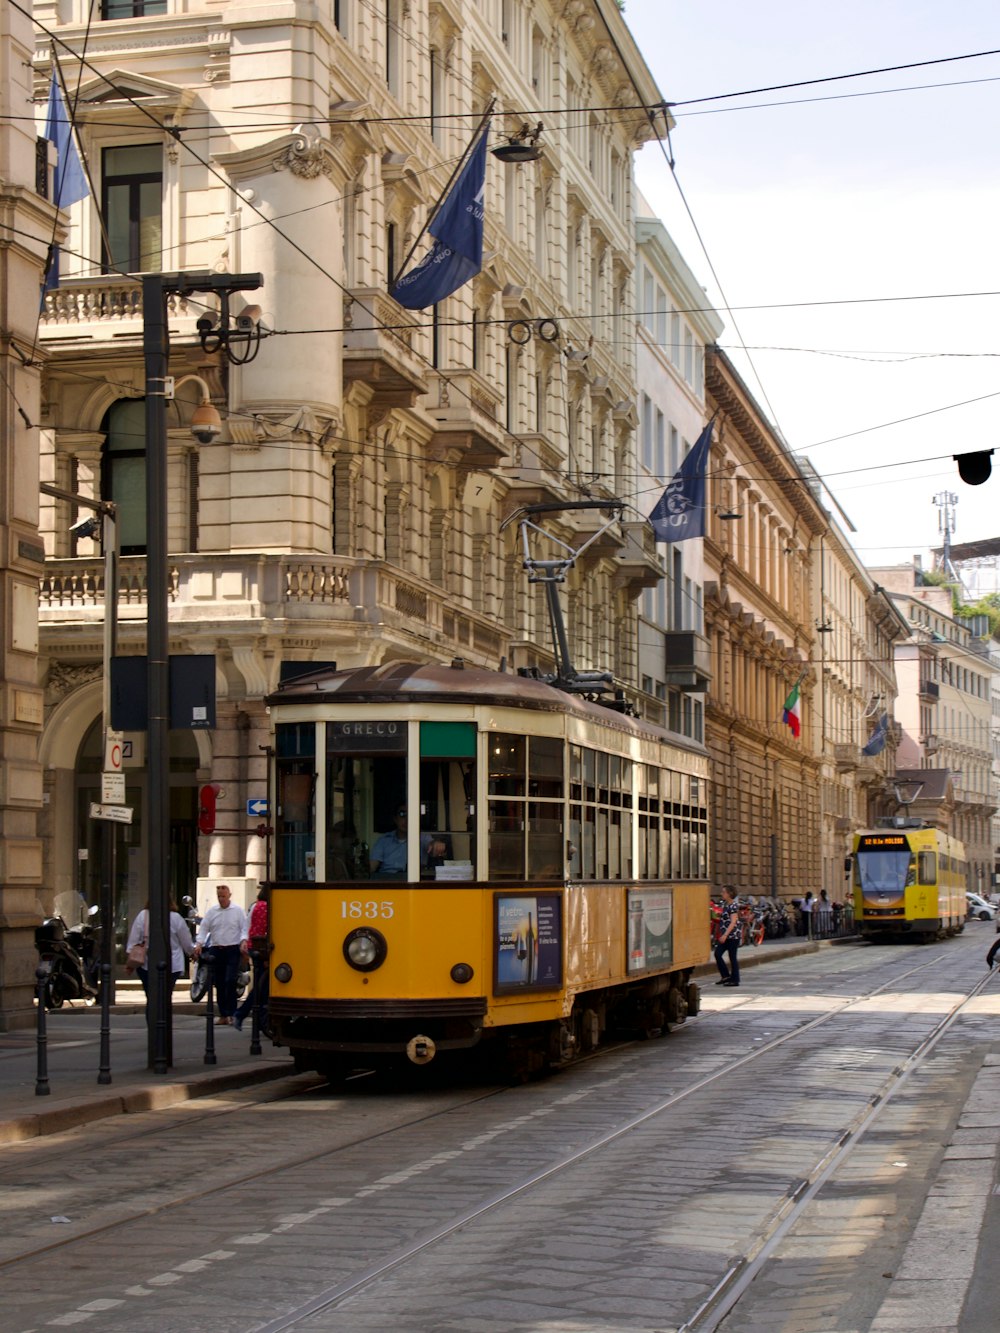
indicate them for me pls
(447, 800)
(927, 867)
(295, 834)
(601, 814)
(526, 785)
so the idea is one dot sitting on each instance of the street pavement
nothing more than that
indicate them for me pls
(945, 1280)
(73, 1062)
(73, 1058)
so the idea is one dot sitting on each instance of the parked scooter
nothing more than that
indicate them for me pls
(70, 957)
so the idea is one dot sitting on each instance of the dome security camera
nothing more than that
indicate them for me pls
(206, 424)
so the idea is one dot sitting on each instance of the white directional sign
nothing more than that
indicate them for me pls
(118, 814)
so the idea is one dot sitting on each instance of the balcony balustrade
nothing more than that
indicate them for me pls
(296, 591)
(107, 307)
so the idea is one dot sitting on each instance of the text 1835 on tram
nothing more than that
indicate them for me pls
(467, 860)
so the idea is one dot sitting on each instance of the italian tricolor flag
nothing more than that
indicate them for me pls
(792, 716)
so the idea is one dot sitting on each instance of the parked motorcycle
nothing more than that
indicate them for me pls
(70, 958)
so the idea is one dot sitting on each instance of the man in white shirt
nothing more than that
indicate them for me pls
(224, 929)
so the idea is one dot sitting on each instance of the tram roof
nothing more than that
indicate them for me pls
(456, 682)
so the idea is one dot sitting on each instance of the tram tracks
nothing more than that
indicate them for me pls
(727, 1291)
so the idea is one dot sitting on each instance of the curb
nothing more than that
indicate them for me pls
(155, 1097)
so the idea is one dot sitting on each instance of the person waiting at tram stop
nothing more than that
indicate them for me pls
(223, 929)
(389, 853)
(729, 938)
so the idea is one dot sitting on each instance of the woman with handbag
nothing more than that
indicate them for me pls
(137, 946)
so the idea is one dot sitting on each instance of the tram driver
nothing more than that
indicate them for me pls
(389, 853)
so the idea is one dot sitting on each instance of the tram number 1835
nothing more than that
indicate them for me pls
(355, 910)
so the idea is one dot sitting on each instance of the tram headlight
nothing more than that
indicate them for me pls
(283, 972)
(462, 973)
(365, 949)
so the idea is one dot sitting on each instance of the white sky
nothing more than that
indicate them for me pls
(875, 196)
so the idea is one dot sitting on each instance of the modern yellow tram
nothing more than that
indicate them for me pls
(471, 860)
(909, 881)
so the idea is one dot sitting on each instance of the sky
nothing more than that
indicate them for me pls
(847, 199)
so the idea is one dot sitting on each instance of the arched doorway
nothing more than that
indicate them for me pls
(130, 889)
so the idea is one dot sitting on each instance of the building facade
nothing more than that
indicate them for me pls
(945, 709)
(352, 509)
(787, 605)
(28, 224)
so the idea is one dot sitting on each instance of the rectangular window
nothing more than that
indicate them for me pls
(131, 9)
(132, 202)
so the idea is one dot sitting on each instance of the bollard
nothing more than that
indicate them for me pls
(42, 1088)
(104, 1068)
(210, 1056)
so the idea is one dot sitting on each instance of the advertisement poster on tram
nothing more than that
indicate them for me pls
(650, 929)
(528, 941)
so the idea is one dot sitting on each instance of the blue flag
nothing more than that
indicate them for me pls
(680, 510)
(69, 184)
(876, 741)
(457, 254)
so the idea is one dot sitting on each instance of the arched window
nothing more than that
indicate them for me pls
(123, 471)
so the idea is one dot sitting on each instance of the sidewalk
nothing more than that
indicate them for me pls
(73, 1051)
(74, 1055)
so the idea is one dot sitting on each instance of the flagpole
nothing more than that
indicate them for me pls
(454, 175)
(80, 151)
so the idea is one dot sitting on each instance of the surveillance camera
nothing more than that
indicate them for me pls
(85, 527)
(248, 320)
(206, 424)
(205, 324)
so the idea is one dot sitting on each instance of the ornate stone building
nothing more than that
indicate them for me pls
(786, 603)
(27, 224)
(352, 508)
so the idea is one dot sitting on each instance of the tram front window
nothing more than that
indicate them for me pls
(884, 871)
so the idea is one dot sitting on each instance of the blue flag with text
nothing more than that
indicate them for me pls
(69, 184)
(680, 510)
(876, 741)
(457, 228)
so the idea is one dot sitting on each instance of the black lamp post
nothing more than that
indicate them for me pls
(156, 351)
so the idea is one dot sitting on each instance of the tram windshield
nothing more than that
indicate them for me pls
(884, 870)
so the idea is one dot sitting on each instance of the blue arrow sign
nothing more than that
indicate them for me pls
(257, 807)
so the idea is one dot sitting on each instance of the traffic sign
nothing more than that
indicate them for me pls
(117, 814)
(257, 806)
(113, 751)
(113, 788)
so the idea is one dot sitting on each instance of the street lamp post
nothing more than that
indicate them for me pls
(156, 353)
(107, 510)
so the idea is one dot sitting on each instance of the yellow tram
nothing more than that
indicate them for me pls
(467, 859)
(909, 880)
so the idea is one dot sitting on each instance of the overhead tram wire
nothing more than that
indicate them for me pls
(621, 110)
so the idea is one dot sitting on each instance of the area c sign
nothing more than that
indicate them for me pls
(113, 748)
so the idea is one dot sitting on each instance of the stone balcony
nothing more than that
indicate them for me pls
(108, 308)
(287, 595)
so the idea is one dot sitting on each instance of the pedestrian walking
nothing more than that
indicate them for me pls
(993, 953)
(137, 947)
(260, 991)
(729, 939)
(807, 907)
(224, 929)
